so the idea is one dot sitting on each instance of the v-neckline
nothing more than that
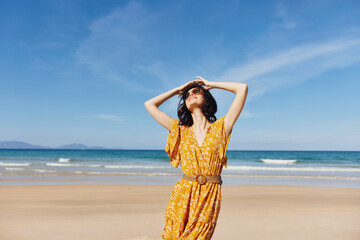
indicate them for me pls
(196, 140)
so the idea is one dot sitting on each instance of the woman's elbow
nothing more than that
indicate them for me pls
(243, 88)
(147, 104)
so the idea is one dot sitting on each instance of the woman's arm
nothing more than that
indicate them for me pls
(153, 104)
(240, 89)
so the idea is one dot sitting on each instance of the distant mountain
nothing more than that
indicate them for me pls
(78, 146)
(20, 145)
(24, 145)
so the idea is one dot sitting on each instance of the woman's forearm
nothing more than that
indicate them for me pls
(153, 104)
(230, 86)
(160, 99)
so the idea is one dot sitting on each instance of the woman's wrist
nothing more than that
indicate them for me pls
(177, 90)
(211, 85)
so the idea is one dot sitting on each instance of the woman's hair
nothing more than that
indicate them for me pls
(208, 108)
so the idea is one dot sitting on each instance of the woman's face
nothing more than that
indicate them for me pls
(194, 98)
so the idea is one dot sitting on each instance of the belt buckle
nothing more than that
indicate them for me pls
(201, 179)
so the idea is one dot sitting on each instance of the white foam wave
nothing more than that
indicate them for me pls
(294, 176)
(14, 169)
(14, 164)
(106, 166)
(64, 165)
(133, 173)
(278, 161)
(43, 170)
(134, 166)
(64, 160)
(298, 169)
(102, 172)
(117, 173)
(161, 174)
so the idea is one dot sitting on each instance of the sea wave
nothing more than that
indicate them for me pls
(278, 161)
(107, 166)
(65, 165)
(112, 173)
(293, 176)
(299, 169)
(135, 166)
(64, 159)
(73, 165)
(14, 164)
(43, 170)
(225, 176)
(14, 169)
(133, 173)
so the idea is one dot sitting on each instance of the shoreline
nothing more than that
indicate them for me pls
(137, 212)
(29, 180)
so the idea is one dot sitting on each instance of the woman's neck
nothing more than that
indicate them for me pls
(200, 121)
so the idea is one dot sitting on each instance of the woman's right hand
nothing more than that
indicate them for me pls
(181, 88)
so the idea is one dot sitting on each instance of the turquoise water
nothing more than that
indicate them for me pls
(332, 168)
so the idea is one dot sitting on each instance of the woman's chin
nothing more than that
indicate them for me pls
(192, 106)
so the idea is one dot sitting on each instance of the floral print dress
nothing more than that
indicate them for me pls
(193, 209)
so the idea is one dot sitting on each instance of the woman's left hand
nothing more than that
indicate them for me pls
(205, 83)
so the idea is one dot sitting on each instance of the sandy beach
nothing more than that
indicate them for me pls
(137, 212)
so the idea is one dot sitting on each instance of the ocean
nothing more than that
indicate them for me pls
(306, 168)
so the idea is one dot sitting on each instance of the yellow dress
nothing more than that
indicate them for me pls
(193, 209)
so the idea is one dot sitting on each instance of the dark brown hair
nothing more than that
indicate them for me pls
(209, 107)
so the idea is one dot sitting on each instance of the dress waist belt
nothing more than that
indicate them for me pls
(202, 179)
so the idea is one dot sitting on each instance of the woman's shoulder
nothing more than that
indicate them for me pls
(175, 120)
(178, 123)
(219, 120)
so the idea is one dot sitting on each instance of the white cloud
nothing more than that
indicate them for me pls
(115, 47)
(245, 114)
(295, 65)
(139, 49)
(123, 48)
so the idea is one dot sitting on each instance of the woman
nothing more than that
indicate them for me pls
(199, 141)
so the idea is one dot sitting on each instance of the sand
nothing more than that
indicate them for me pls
(109, 212)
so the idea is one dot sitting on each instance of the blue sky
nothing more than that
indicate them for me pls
(80, 71)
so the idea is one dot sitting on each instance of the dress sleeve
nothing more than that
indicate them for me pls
(172, 147)
(224, 143)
